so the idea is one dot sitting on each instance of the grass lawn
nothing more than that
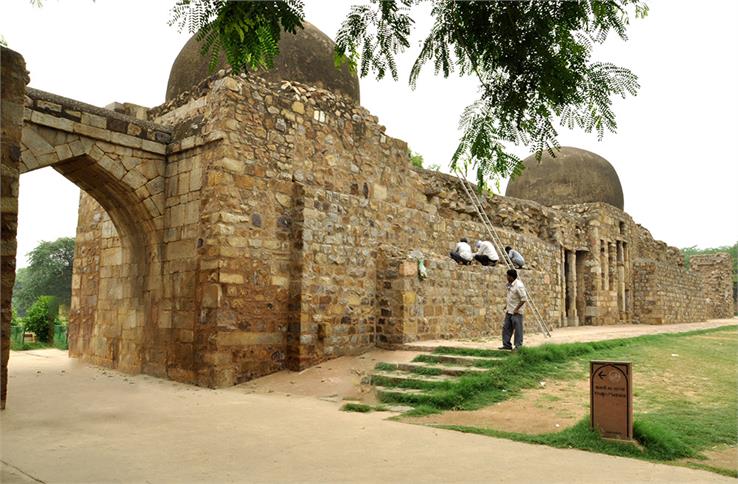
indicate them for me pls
(685, 393)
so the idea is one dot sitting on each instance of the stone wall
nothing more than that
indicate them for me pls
(667, 294)
(717, 283)
(452, 302)
(289, 216)
(13, 80)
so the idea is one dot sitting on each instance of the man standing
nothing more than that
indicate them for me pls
(516, 298)
(462, 254)
(486, 253)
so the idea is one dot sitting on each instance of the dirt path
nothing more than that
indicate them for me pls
(344, 378)
(582, 333)
(68, 422)
(553, 407)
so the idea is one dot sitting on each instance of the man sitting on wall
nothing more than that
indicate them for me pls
(515, 257)
(462, 254)
(486, 253)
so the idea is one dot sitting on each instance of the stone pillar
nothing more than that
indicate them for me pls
(612, 263)
(571, 286)
(13, 84)
(621, 280)
(605, 262)
(594, 247)
(562, 286)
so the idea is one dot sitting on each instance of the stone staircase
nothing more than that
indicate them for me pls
(429, 375)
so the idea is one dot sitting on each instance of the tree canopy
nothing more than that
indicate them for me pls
(533, 60)
(49, 273)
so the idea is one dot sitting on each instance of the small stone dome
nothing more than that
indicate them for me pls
(573, 176)
(305, 57)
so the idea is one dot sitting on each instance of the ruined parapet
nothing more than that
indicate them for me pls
(13, 83)
(667, 293)
(716, 271)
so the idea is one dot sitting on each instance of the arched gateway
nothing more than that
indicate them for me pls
(120, 162)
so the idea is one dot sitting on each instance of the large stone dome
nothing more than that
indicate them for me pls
(306, 57)
(573, 176)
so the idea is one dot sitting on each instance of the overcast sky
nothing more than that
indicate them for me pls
(674, 150)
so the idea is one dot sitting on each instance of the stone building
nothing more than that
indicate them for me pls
(255, 223)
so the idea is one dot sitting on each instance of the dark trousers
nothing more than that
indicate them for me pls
(485, 260)
(513, 324)
(459, 259)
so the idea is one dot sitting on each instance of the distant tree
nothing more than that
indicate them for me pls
(41, 316)
(49, 273)
(416, 159)
(533, 60)
(730, 249)
(14, 319)
(23, 297)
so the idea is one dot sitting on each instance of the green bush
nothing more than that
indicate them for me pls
(40, 318)
(14, 319)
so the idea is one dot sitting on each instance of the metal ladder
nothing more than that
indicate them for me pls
(499, 247)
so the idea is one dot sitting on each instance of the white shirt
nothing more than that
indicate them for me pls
(464, 250)
(486, 248)
(515, 294)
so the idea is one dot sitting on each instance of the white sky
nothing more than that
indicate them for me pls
(674, 150)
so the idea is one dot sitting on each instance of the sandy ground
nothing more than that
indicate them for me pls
(551, 408)
(69, 422)
(345, 378)
(580, 334)
(725, 458)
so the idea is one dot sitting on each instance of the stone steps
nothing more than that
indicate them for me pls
(395, 381)
(400, 377)
(462, 360)
(399, 391)
(444, 370)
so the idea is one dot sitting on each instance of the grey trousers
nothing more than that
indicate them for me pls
(513, 323)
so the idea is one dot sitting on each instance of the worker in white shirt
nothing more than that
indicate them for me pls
(513, 324)
(486, 253)
(462, 254)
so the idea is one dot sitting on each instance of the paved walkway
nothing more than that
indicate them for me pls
(581, 333)
(69, 422)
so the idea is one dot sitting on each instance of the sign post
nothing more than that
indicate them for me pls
(611, 399)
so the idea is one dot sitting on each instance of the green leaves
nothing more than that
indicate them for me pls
(247, 33)
(49, 273)
(532, 59)
(375, 34)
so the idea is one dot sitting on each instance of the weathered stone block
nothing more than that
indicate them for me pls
(228, 278)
